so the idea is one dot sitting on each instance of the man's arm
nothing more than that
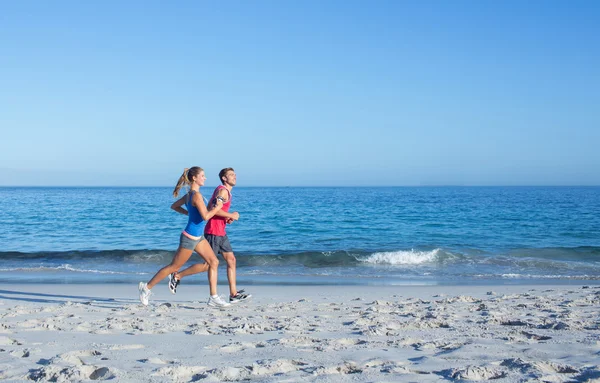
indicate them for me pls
(224, 195)
(206, 214)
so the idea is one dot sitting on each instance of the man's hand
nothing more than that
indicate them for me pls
(235, 217)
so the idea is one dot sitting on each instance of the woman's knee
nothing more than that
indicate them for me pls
(213, 262)
(173, 267)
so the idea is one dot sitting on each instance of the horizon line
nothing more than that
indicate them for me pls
(300, 186)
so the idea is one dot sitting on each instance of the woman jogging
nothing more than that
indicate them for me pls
(192, 238)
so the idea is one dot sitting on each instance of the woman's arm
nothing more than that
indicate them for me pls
(177, 205)
(198, 202)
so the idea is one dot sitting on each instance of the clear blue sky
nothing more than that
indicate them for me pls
(300, 92)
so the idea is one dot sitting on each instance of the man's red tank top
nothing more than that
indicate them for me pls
(216, 225)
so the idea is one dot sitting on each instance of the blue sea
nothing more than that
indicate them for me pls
(311, 235)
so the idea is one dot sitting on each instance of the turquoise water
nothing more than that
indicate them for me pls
(388, 235)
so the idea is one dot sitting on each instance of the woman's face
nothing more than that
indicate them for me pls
(200, 178)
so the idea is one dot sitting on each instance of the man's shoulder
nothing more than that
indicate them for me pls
(222, 190)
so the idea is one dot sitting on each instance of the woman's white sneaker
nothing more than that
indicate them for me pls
(217, 301)
(144, 293)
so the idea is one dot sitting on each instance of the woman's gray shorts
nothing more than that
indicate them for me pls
(186, 242)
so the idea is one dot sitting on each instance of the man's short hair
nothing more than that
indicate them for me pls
(223, 172)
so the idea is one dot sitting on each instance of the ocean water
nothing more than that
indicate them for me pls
(320, 235)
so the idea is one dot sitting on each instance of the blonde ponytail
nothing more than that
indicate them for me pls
(186, 178)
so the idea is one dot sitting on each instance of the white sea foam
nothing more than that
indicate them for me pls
(403, 257)
(535, 276)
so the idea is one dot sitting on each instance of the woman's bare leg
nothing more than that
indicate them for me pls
(206, 252)
(193, 269)
(179, 259)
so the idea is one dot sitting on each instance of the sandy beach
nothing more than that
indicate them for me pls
(64, 333)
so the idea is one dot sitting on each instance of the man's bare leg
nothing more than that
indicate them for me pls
(231, 275)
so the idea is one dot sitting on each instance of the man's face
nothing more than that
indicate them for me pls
(230, 178)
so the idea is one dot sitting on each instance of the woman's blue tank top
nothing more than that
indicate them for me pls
(195, 225)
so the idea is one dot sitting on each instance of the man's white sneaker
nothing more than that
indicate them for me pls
(217, 301)
(144, 293)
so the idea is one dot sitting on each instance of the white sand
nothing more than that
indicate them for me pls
(65, 333)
